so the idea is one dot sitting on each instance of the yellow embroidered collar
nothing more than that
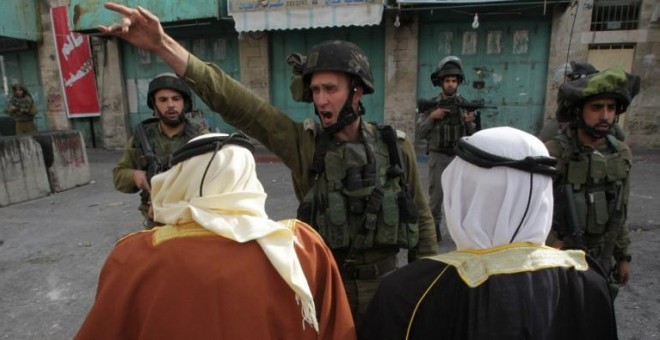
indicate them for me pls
(476, 266)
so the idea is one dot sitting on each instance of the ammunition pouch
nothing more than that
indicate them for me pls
(352, 195)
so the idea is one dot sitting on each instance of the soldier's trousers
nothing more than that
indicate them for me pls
(437, 164)
(360, 293)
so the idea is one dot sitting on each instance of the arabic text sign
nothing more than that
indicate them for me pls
(76, 68)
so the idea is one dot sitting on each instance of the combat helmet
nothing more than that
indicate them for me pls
(339, 55)
(449, 66)
(611, 83)
(170, 81)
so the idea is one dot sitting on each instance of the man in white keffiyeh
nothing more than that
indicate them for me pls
(220, 268)
(502, 282)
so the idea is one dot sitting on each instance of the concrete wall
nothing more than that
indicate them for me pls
(401, 45)
(55, 114)
(22, 170)
(114, 102)
(36, 165)
(65, 159)
(255, 66)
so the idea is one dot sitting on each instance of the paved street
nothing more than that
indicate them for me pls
(52, 249)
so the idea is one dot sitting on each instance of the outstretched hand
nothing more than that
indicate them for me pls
(138, 26)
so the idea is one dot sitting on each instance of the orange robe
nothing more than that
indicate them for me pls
(184, 282)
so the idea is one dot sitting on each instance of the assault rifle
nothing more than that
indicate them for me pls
(452, 104)
(455, 107)
(154, 166)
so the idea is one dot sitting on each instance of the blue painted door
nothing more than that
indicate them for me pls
(510, 57)
(370, 39)
(218, 44)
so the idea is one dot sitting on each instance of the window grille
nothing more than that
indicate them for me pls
(612, 15)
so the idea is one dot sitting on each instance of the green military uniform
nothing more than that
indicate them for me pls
(295, 143)
(23, 110)
(599, 178)
(132, 159)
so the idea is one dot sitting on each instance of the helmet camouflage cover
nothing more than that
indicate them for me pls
(339, 55)
(611, 83)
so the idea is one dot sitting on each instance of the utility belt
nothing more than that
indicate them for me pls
(368, 271)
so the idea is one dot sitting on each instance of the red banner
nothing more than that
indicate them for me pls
(74, 57)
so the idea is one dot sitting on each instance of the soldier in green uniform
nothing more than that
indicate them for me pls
(22, 109)
(358, 183)
(441, 128)
(148, 151)
(591, 192)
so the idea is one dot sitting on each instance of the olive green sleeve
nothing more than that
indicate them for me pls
(122, 173)
(428, 244)
(424, 125)
(249, 113)
(555, 151)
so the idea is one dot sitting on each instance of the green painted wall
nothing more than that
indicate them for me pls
(510, 55)
(372, 41)
(86, 15)
(19, 20)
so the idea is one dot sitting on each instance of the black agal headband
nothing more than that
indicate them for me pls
(534, 164)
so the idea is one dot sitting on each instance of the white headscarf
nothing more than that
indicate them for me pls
(233, 206)
(483, 207)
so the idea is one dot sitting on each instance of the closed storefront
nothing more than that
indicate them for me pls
(504, 60)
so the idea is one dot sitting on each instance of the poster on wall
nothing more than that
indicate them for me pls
(74, 59)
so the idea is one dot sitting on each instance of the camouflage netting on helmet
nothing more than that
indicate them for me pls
(612, 83)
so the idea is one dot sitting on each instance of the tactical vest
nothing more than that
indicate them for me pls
(163, 151)
(445, 132)
(341, 200)
(597, 180)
